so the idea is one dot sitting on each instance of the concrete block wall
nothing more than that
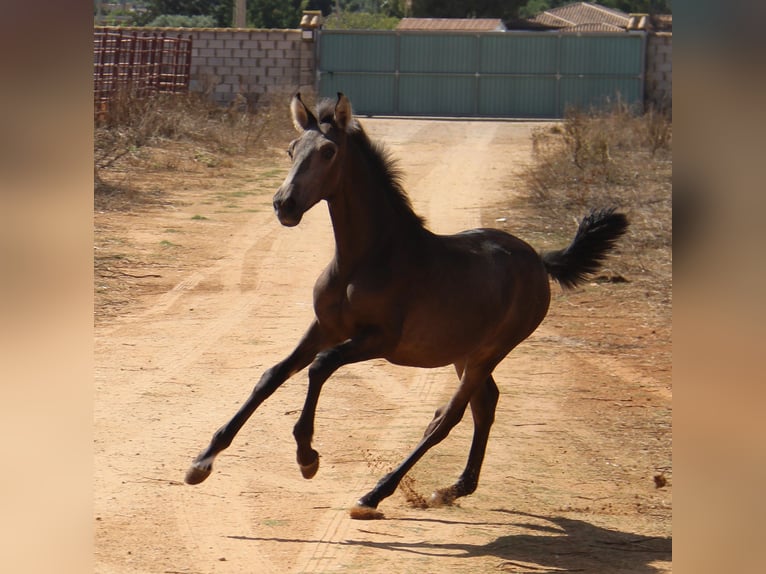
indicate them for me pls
(248, 61)
(659, 69)
(251, 62)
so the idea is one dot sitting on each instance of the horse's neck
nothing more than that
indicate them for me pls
(363, 221)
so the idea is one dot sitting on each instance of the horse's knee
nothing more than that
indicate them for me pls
(440, 427)
(434, 422)
(324, 364)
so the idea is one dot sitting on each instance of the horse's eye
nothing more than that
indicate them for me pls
(290, 152)
(328, 152)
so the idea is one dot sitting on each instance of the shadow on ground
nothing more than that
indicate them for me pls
(561, 545)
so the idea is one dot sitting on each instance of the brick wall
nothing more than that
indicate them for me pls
(248, 61)
(659, 69)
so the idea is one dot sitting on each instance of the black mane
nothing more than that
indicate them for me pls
(382, 165)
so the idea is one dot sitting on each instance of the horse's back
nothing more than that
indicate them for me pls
(482, 289)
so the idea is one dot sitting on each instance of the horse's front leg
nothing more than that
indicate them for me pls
(311, 343)
(325, 364)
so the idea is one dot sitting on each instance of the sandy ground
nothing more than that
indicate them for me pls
(205, 290)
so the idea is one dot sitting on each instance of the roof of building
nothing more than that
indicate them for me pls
(579, 13)
(452, 24)
(592, 27)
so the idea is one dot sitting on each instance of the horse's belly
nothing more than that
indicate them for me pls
(415, 358)
(436, 344)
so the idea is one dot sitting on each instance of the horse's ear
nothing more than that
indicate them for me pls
(343, 114)
(303, 119)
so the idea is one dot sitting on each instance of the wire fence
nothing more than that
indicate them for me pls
(139, 63)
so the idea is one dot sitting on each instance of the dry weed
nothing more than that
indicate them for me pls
(609, 159)
(614, 158)
(133, 130)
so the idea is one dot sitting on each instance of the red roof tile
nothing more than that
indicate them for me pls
(580, 13)
(452, 24)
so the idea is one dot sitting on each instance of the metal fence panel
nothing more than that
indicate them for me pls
(585, 92)
(601, 55)
(506, 53)
(493, 74)
(438, 53)
(369, 93)
(437, 95)
(518, 97)
(355, 52)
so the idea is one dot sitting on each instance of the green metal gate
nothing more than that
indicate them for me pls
(492, 74)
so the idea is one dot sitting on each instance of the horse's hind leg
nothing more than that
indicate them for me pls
(483, 404)
(269, 382)
(446, 418)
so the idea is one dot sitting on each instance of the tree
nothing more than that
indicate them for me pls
(275, 13)
(510, 9)
(360, 21)
(394, 8)
(325, 6)
(505, 9)
(641, 6)
(181, 21)
(260, 13)
(222, 11)
(535, 7)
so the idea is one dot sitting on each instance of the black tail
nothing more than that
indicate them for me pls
(597, 234)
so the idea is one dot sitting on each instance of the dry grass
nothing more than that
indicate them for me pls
(134, 132)
(609, 159)
(613, 158)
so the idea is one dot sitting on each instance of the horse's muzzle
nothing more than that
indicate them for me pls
(287, 210)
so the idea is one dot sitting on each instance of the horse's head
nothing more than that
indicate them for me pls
(316, 156)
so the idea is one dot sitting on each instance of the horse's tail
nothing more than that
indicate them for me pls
(597, 234)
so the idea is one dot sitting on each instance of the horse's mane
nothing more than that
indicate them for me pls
(381, 164)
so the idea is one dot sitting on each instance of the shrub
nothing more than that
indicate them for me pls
(613, 157)
(131, 123)
(183, 21)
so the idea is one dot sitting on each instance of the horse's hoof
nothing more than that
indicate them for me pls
(442, 497)
(309, 470)
(197, 474)
(362, 512)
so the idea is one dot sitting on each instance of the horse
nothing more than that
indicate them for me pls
(397, 291)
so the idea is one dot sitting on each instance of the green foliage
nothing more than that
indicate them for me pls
(275, 13)
(360, 14)
(325, 6)
(221, 11)
(534, 7)
(360, 21)
(510, 9)
(640, 6)
(182, 21)
(506, 9)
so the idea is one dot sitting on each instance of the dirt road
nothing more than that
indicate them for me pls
(215, 291)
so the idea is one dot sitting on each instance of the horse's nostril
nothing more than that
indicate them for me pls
(287, 204)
